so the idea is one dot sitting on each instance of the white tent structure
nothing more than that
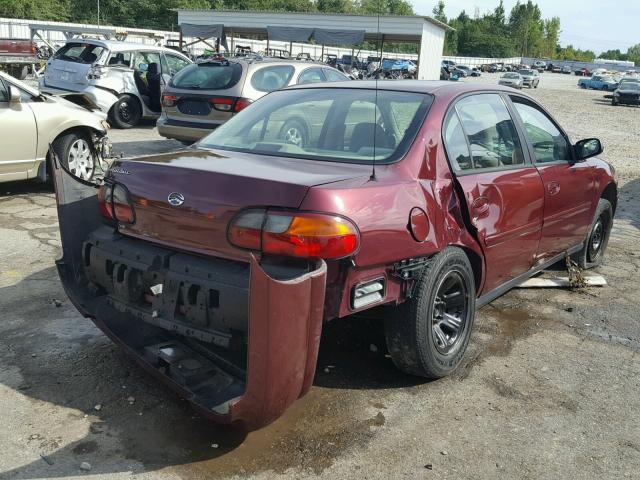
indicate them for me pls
(339, 29)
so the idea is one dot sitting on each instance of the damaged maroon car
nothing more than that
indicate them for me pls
(216, 266)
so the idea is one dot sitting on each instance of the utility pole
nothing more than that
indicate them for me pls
(98, 12)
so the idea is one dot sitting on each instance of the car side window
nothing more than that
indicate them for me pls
(119, 59)
(174, 63)
(268, 79)
(490, 131)
(145, 58)
(311, 75)
(334, 76)
(456, 144)
(549, 143)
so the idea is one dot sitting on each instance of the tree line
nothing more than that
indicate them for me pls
(522, 32)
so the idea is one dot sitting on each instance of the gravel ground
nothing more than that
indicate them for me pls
(549, 388)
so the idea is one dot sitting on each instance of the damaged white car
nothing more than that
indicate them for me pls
(32, 123)
(124, 79)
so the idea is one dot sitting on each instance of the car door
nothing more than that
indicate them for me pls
(502, 189)
(569, 188)
(18, 136)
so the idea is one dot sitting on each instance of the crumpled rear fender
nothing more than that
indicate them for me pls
(284, 324)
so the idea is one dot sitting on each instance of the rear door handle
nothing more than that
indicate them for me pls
(553, 188)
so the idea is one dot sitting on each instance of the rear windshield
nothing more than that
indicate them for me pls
(208, 76)
(327, 124)
(80, 53)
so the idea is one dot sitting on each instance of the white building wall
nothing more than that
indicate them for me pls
(431, 47)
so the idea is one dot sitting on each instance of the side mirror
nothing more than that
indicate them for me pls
(14, 95)
(587, 148)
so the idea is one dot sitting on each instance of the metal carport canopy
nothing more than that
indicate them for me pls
(426, 31)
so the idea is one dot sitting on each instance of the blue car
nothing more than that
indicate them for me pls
(598, 82)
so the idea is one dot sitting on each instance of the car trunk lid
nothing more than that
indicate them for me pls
(207, 188)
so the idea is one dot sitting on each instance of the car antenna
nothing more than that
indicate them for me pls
(375, 103)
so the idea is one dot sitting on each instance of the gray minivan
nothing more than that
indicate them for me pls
(206, 94)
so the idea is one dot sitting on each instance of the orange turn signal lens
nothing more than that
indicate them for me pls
(295, 234)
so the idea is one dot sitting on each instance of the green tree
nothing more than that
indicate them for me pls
(36, 9)
(527, 28)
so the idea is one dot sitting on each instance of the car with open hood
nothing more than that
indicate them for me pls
(32, 124)
(216, 266)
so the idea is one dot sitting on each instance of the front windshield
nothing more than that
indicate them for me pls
(511, 75)
(630, 85)
(328, 124)
(526, 72)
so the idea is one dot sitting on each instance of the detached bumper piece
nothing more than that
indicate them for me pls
(238, 341)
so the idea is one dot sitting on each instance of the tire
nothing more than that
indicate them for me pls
(614, 102)
(19, 72)
(75, 151)
(294, 132)
(126, 112)
(419, 341)
(595, 244)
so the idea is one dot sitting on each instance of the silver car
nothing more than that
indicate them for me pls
(512, 79)
(205, 95)
(124, 79)
(31, 123)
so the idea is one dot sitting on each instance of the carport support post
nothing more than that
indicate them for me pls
(322, 53)
(266, 53)
(180, 39)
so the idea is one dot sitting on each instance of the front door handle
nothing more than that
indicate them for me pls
(553, 188)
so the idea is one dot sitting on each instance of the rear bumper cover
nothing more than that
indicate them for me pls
(184, 130)
(284, 324)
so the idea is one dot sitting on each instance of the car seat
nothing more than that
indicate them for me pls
(117, 60)
(363, 137)
(154, 82)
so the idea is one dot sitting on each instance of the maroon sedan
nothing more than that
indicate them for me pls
(216, 266)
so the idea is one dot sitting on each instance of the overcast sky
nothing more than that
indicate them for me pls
(597, 25)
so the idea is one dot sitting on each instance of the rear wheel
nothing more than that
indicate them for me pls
(294, 132)
(428, 334)
(20, 72)
(75, 152)
(126, 112)
(597, 239)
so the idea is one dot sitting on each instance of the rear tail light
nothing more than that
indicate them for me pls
(222, 103)
(241, 104)
(294, 234)
(169, 100)
(114, 202)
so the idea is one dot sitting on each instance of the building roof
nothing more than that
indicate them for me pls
(247, 22)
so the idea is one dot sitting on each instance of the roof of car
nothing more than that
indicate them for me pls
(118, 46)
(434, 87)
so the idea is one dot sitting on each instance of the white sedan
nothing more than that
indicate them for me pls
(31, 123)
